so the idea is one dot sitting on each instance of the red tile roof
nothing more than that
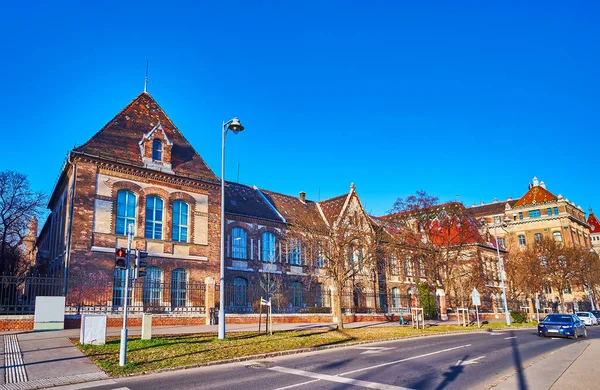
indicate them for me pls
(594, 223)
(292, 208)
(536, 195)
(119, 139)
(332, 208)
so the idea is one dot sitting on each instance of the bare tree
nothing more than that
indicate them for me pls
(345, 251)
(18, 204)
(442, 237)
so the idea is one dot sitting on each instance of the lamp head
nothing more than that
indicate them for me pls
(235, 125)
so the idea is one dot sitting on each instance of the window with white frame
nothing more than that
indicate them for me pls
(240, 291)
(238, 243)
(268, 247)
(180, 221)
(295, 252)
(154, 217)
(395, 297)
(157, 150)
(408, 269)
(538, 237)
(126, 202)
(557, 236)
(522, 241)
(119, 287)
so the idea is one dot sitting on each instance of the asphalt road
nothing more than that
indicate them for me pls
(465, 361)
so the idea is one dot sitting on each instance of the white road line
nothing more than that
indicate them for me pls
(508, 338)
(337, 379)
(406, 359)
(297, 384)
(495, 334)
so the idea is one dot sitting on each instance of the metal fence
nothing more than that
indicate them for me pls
(244, 298)
(17, 296)
(18, 293)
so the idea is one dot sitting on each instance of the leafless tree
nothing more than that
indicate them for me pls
(18, 204)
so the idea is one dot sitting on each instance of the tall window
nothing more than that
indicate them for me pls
(395, 297)
(180, 221)
(557, 236)
(240, 291)
(408, 271)
(125, 211)
(157, 147)
(319, 295)
(534, 213)
(520, 215)
(294, 253)
(154, 217)
(501, 242)
(152, 286)
(538, 237)
(238, 243)
(296, 294)
(522, 240)
(555, 210)
(549, 211)
(268, 247)
(319, 256)
(178, 288)
(119, 287)
(393, 265)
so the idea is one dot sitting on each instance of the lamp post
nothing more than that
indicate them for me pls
(501, 269)
(235, 126)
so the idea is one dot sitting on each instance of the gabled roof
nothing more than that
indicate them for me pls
(492, 208)
(332, 208)
(536, 195)
(244, 200)
(593, 222)
(119, 139)
(292, 208)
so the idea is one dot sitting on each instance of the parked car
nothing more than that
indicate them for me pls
(596, 314)
(587, 318)
(565, 325)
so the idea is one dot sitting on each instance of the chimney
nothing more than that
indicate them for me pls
(495, 200)
(302, 196)
(543, 185)
(535, 182)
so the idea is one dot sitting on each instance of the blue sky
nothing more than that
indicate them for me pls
(464, 98)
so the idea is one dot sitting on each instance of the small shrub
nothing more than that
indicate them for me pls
(518, 316)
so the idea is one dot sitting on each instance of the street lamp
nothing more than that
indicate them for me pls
(501, 269)
(235, 126)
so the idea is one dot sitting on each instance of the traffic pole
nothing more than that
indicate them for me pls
(123, 348)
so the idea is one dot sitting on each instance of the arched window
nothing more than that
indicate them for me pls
(178, 288)
(238, 243)
(268, 247)
(125, 211)
(522, 241)
(538, 237)
(157, 149)
(119, 287)
(240, 292)
(154, 217)
(180, 221)
(296, 294)
(395, 297)
(152, 286)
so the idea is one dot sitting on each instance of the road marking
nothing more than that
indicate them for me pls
(406, 359)
(338, 379)
(297, 384)
(467, 362)
(495, 334)
(372, 349)
(508, 338)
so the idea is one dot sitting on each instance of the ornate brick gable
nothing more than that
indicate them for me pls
(144, 120)
(592, 220)
(536, 195)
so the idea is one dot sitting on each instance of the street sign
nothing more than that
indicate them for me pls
(476, 297)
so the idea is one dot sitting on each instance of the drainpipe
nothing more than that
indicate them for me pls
(68, 246)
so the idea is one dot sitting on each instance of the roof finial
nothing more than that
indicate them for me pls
(146, 80)
(352, 186)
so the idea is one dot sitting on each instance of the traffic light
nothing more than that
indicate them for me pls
(121, 258)
(140, 264)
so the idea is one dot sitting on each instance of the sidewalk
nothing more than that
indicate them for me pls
(572, 367)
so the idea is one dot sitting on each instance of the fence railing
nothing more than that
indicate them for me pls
(297, 300)
(18, 293)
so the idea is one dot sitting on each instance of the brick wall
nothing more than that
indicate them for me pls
(10, 323)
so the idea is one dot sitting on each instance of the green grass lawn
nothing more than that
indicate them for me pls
(185, 350)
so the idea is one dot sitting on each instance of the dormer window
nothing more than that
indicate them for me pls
(157, 150)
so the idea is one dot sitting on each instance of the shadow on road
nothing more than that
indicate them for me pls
(517, 362)
(451, 374)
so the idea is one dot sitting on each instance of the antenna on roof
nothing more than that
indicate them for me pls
(146, 80)
(457, 198)
(319, 197)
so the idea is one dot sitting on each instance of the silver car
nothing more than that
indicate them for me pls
(587, 318)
